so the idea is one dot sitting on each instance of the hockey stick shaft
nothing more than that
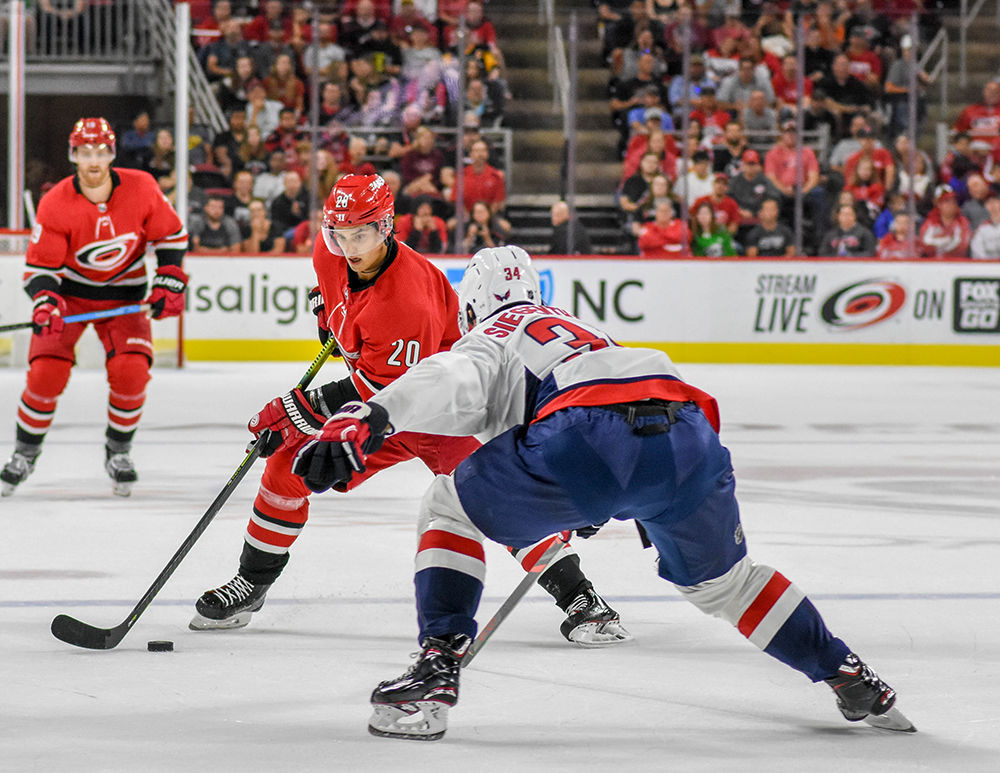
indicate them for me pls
(89, 316)
(529, 579)
(79, 634)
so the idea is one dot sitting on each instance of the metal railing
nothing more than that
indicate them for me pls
(967, 17)
(159, 17)
(109, 32)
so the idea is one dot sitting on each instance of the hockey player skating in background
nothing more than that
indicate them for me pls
(388, 308)
(87, 253)
(582, 430)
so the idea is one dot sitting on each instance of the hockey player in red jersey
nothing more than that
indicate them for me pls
(388, 308)
(87, 253)
(577, 429)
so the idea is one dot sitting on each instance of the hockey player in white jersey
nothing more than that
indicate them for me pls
(577, 430)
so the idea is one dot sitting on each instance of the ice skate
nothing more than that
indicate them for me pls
(415, 705)
(590, 622)
(120, 469)
(18, 468)
(228, 606)
(862, 695)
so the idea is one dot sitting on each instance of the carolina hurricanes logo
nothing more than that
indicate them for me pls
(109, 254)
(862, 304)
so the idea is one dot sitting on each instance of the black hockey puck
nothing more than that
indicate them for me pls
(160, 646)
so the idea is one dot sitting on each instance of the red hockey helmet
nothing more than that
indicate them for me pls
(91, 131)
(357, 200)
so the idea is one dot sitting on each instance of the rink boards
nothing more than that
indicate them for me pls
(815, 311)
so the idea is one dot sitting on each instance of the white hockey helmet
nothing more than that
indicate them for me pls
(495, 277)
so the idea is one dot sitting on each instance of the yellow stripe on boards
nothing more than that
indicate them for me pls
(250, 350)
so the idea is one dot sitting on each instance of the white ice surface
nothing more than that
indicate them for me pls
(875, 489)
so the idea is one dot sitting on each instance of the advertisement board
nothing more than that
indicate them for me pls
(731, 310)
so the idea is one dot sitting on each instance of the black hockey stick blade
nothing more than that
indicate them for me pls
(79, 634)
(513, 599)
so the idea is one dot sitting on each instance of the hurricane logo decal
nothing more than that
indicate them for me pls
(863, 304)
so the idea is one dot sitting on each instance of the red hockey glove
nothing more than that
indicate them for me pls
(47, 313)
(166, 298)
(290, 420)
(341, 449)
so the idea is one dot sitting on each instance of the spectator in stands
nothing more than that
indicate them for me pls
(769, 238)
(289, 207)
(423, 230)
(354, 28)
(482, 40)
(408, 18)
(357, 152)
(485, 99)
(710, 115)
(866, 187)
(696, 83)
(213, 230)
(325, 57)
(625, 95)
(287, 133)
(882, 161)
(817, 115)
(726, 155)
(253, 153)
(284, 86)
(897, 89)
(448, 12)
(865, 64)
(422, 163)
(735, 90)
(226, 145)
(218, 59)
(686, 29)
(945, 232)
(848, 237)
(635, 194)
(482, 182)
(896, 244)
(698, 180)
(786, 86)
(421, 64)
(234, 90)
(757, 116)
(237, 203)
(643, 44)
(267, 185)
(304, 236)
(982, 120)
(724, 206)
(261, 111)
(895, 203)
(265, 54)
(385, 55)
(974, 207)
(749, 188)
(708, 238)
(846, 95)
(732, 28)
(649, 111)
(335, 109)
(818, 57)
(298, 29)
(666, 236)
(874, 24)
(378, 95)
(135, 147)
(783, 166)
(209, 28)
(162, 160)
(985, 243)
(848, 145)
(560, 243)
(266, 238)
(484, 229)
(273, 14)
(327, 173)
(626, 31)
(662, 145)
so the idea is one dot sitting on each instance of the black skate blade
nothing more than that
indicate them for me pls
(79, 634)
(893, 720)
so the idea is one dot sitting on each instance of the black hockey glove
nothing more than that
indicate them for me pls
(341, 448)
(318, 307)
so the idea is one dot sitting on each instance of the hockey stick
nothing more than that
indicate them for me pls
(86, 317)
(519, 592)
(79, 634)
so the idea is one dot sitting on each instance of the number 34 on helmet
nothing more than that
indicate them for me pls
(495, 277)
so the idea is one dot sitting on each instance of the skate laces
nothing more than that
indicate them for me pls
(235, 591)
(855, 670)
(588, 600)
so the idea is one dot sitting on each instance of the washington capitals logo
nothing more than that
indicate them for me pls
(502, 298)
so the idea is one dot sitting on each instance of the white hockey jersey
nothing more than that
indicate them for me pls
(521, 364)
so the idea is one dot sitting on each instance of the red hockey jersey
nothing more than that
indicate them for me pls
(385, 326)
(97, 251)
